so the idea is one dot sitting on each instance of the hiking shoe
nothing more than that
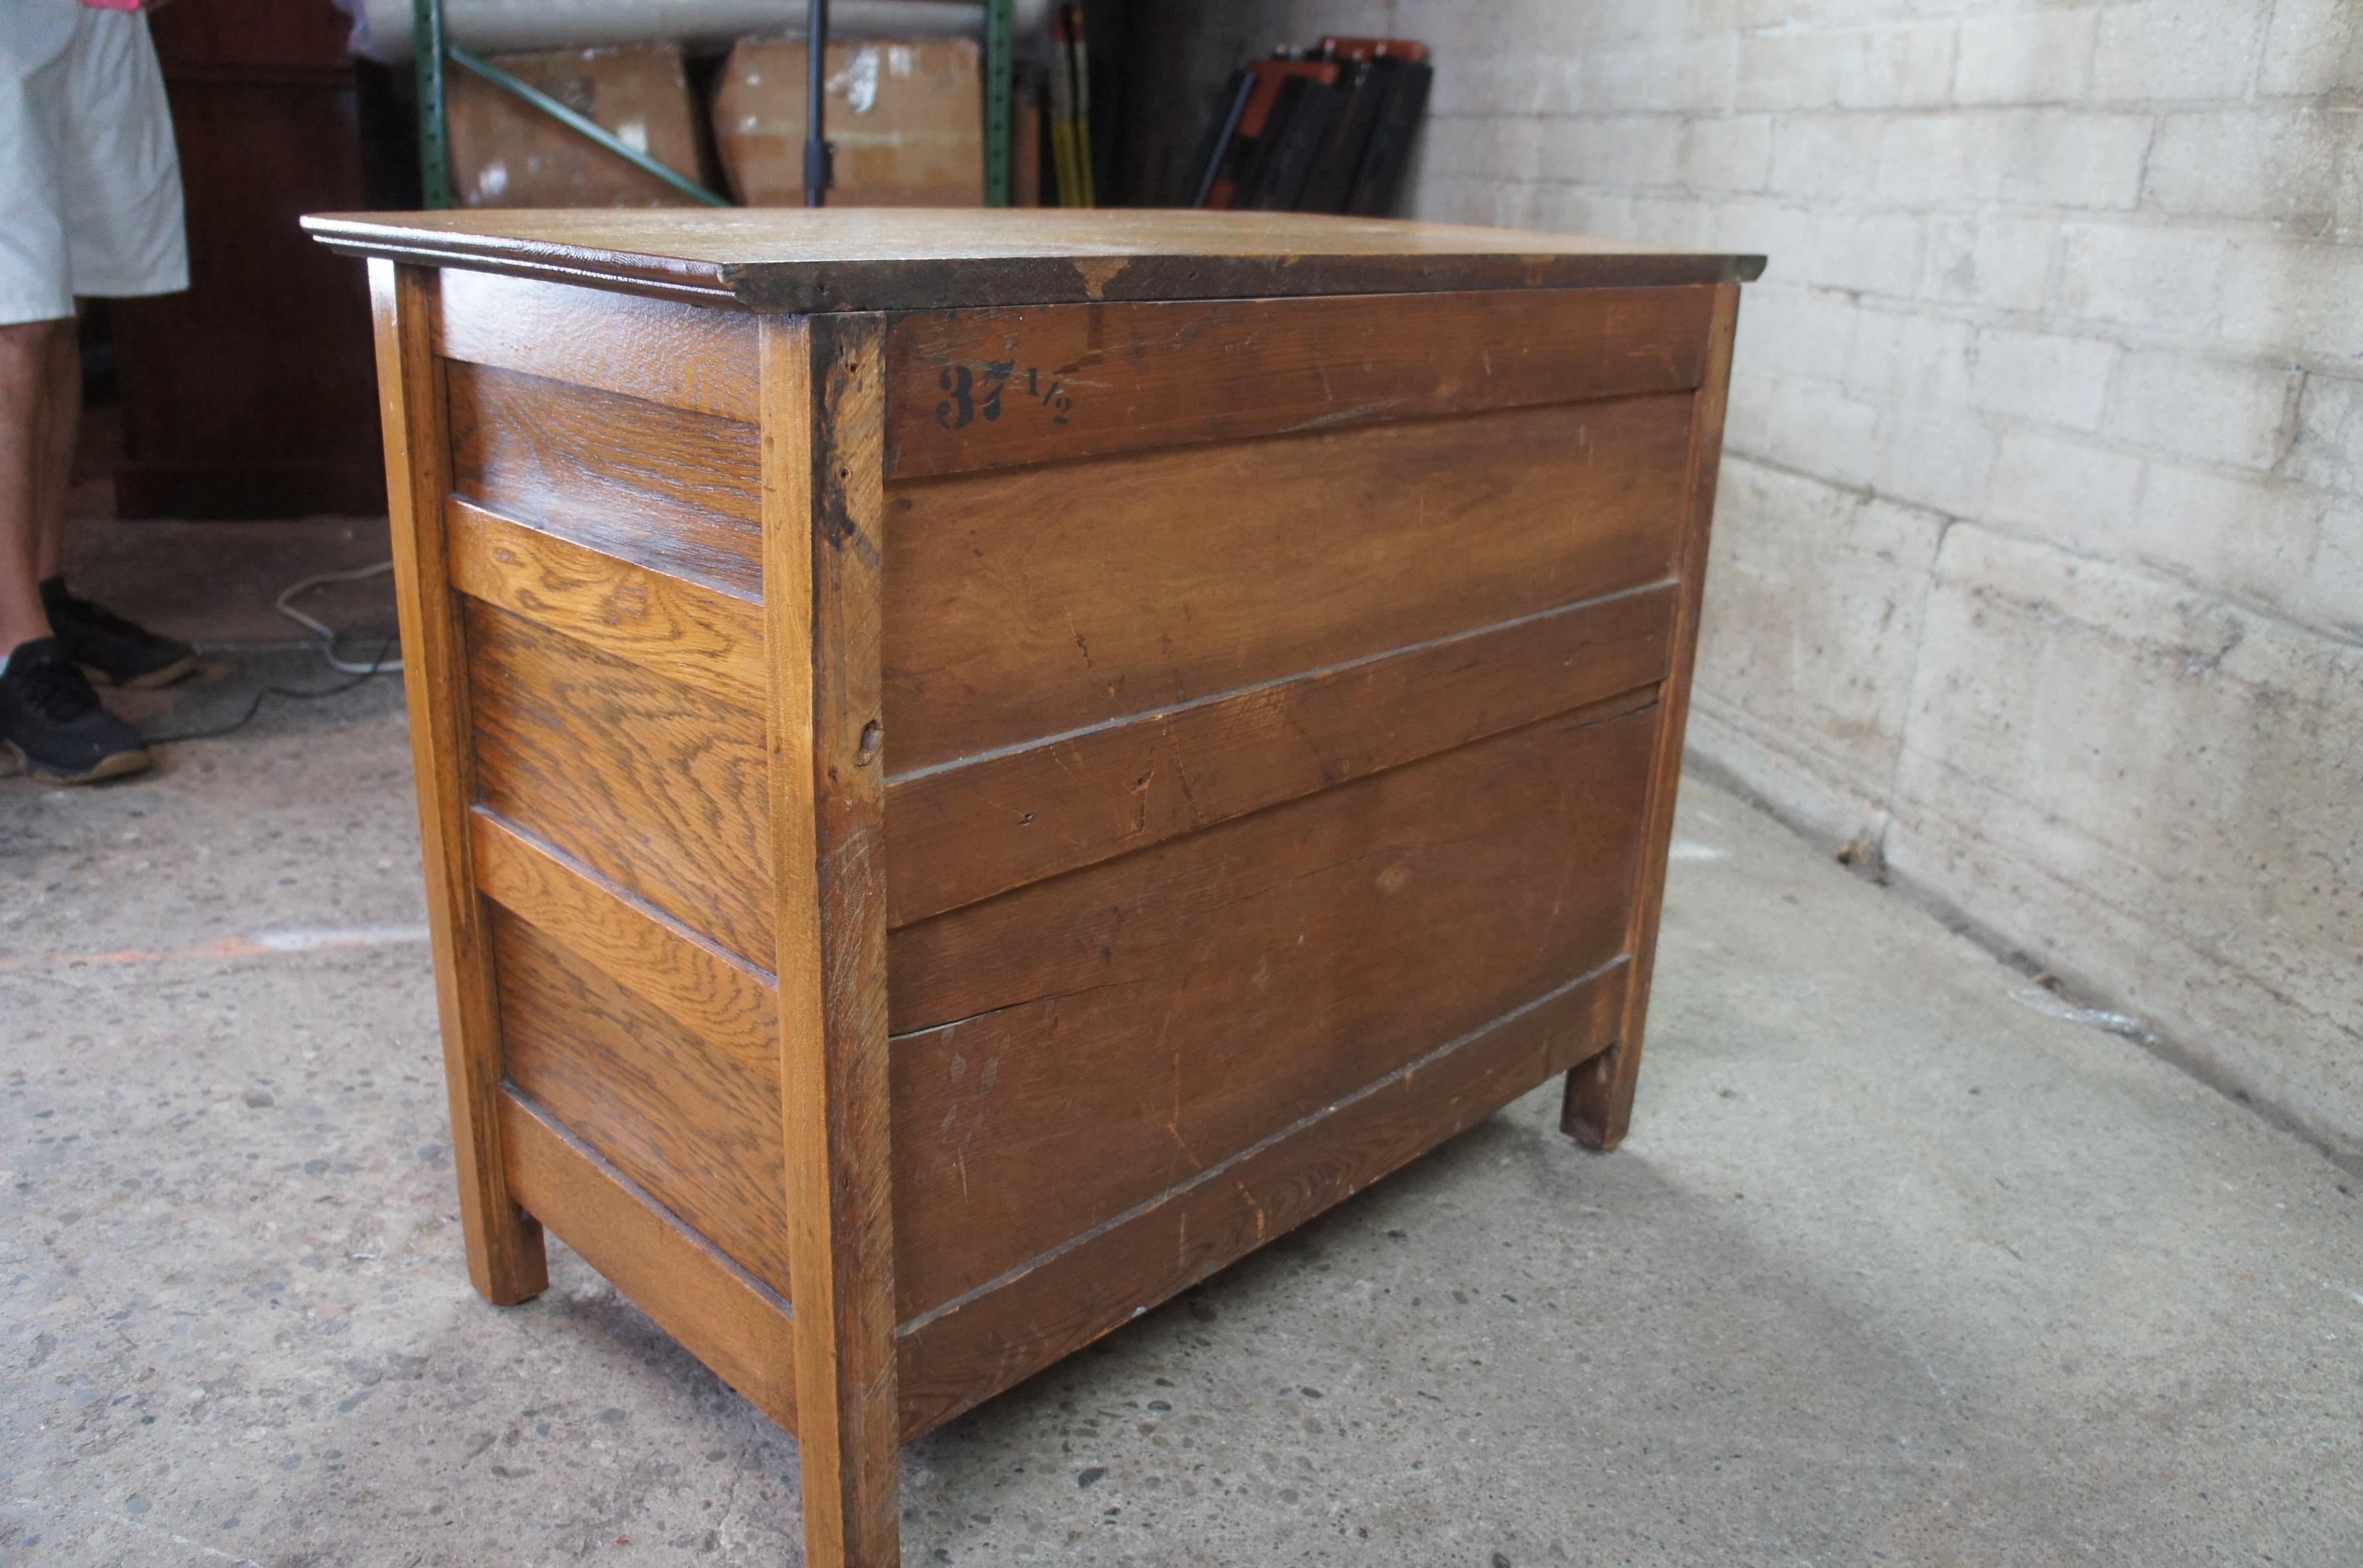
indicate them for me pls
(53, 719)
(110, 649)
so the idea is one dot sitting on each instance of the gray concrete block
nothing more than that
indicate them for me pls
(2295, 298)
(2059, 487)
(2022, 57)
(1998, 261)
(2276, 164)
(2154, 49)
(2047, 377)
(2222, 411)
(2143, 275)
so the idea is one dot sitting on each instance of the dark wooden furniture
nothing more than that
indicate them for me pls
(248, 395)
(976, 768)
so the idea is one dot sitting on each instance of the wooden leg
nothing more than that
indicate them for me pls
(506, 1259)
(1593, 1113)
(824, 498)
(1599, 1104)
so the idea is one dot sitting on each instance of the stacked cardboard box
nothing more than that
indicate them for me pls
(906, 118)
(506, 153)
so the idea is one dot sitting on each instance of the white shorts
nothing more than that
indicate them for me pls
(90, 184)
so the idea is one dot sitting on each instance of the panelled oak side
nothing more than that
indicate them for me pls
(505, 1260)
(1599, 1103)
(823, 508)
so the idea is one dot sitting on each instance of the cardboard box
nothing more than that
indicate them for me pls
(907, 119)
(506, 153)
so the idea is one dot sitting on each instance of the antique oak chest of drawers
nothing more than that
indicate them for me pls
(977, 767)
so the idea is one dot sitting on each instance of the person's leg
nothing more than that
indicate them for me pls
(49, 714)
(29, 531)
(60, 409)
(121, 216)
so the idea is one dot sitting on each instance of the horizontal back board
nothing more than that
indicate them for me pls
(994, 388)
(1028, 602)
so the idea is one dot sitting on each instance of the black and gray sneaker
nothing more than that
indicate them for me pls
(53, 719)
(110, 649)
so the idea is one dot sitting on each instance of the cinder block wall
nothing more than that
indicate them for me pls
(2038, 565)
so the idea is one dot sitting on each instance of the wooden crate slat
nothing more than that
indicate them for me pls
(721, 1314)
(722, 998)
(672, 489)
(967, 831)
(958, 1355)
(688, 1120)
(1016, 609)
(655, 786)
(659, 351)
(980, 389)
(697, 636)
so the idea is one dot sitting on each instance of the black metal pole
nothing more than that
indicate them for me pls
(820, 173)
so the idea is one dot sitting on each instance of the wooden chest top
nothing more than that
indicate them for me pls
(800, 260)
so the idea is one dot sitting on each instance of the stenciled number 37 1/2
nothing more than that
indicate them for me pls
(974, 391)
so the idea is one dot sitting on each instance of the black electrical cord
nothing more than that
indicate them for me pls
(369, 673)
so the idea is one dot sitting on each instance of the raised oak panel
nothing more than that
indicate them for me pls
(658, 787)
(1029, 603)
(694, 1122)
(668, 489)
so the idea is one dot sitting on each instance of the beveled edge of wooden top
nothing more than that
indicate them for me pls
(798, 260)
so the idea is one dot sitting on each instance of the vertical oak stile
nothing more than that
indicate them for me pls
(1599, 1103)
(823, 498)
(505, 1258)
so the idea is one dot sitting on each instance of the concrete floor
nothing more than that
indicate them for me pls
(1893, 1268)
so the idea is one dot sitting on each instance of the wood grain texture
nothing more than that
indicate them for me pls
(505, 1260)
(692, 1121)
(700, 636)
(720, 1313)
(823, 512)
(1599, 1105)
(845, 259)
(969, 829)
(976, 388)
(1014, 614)
(673, 491)
(971, 1349)
(682, 356)
(1071, 1050)
(716, 996)
(656, 787)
